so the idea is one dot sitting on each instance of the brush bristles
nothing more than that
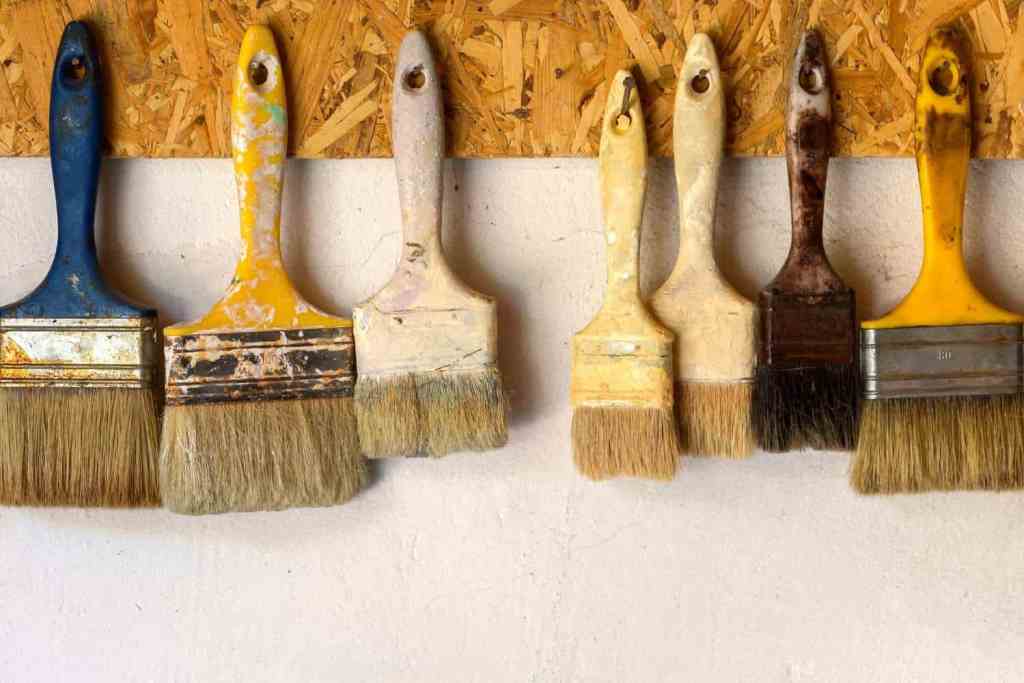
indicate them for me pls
(78, 447)
(714, 418)
(924, 444)
(620, 441)
(260, 455)
(814, 407)
(432, 413)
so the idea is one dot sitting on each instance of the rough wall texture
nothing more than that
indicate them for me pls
(508, 566)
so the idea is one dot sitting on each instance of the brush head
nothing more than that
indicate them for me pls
(911, 445)
(624, 441)
(714, 418)
(807, 386)
(269, 455)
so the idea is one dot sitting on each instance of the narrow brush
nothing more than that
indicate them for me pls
(78, 419)
(259, 391)
(714, 324)
(621, 385)
(942, 371)
(806, 390)
(426, 344)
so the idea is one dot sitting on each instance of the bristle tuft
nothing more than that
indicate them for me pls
(462, 411)
(814, 407)
(431, 413)
(388, 415)
(260, 455)
(78, 447)
(617, 441)
(714, 418)
(925, 444)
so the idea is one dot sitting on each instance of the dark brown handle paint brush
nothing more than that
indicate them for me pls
(942, 371)
(806, 391)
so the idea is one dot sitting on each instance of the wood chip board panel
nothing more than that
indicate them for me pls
(523, 77)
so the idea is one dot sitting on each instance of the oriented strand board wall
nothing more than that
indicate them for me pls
(524, 77)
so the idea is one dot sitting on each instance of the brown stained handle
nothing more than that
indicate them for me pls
(417, 131)
(808, 149)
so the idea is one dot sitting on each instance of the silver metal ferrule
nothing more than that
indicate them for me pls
(78, 352)
(952, 360)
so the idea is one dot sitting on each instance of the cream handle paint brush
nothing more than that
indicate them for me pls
(621, 386)
(713, 323)
(426, 344)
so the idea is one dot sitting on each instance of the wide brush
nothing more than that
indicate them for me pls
(621, 385)
(259, 390)
(713, 323)
(426, 344)
(942, 371)
(78, 421)
(807, 385)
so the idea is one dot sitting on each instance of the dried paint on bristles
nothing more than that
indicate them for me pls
(432, 414)
(92, 447)
(260, 455)
(714, 418)
(940, 444)
(806, 408)
(622, 441)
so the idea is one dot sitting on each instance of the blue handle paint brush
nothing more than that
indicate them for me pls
(77, 360)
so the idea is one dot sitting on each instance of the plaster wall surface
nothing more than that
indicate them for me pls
(507, 566)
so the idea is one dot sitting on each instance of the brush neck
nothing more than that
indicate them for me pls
(417, 133)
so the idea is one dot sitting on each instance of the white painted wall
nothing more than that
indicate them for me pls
(507, 566)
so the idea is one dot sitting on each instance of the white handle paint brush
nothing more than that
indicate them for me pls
(426, 344)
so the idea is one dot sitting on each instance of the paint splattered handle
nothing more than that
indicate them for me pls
(259, 137)
(698, 134)
(808, 141)
(622, 165)
(76, 135)
(417, 132)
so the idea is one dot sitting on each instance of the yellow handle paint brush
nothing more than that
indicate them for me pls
(942, 371)
(621, 386)
(426, 343)
(259, 390)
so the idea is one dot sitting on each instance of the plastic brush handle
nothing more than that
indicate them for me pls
(808, 149)
(74, 286)
(417, 132)
(622, 164)
(943, 293)
(697, 142)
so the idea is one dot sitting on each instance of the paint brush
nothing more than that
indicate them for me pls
(426, 344)
(259, 390)
(621, 384)
(942, 371)
(806, 389)
(78, 419)
(714, 325)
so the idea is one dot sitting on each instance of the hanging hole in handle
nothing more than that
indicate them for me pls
(414, 79)
(258, 73)
(812, 80)
(943, 78)
(623, 122)
(74, 71)
(700, 83)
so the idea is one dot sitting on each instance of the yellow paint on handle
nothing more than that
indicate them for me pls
(943, 293)
(261, 297)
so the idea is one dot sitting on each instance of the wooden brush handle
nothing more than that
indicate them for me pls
(808, 148)
(943, 293)
(622, 166)
(698, 136)
(417, 134)
(259, 137)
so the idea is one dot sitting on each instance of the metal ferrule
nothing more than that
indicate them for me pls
(78, 352)
(259, 366)
(954, 360)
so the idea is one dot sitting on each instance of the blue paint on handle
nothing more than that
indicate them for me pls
(74, 287)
